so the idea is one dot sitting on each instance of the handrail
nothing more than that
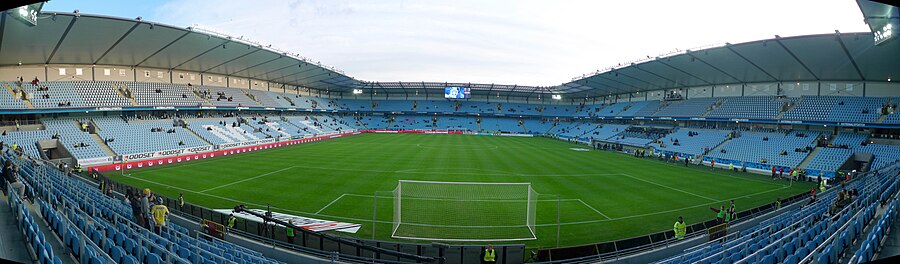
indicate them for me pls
(836, 233)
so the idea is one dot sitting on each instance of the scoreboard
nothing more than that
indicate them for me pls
(457, 92)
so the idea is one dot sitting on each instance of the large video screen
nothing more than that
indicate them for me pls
(457, 92)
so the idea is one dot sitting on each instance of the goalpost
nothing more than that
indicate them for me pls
(464, 211)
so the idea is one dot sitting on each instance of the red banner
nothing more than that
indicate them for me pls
(416, 131)
(210, 154)
(226, 152)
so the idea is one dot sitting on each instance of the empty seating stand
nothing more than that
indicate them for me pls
(136, 136)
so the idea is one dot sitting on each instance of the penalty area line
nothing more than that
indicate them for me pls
(329, 204)
(592, 208)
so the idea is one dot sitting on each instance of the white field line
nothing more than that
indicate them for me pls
(668, 187)
(248, 179)
(592, 208)
(329, 204)
(359, 220)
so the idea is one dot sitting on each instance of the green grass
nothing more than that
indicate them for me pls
(605, 196)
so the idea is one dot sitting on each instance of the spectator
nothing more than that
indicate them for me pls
(134, 198)
(145, 207)
(181, 201)
(289, 231)
(489, 256)
(160, 213)
(732, 211)
(720, 215)
(12, 176)
(7, 170)
(231, 221)
(680, 228)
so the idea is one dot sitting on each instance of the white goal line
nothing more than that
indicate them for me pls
(465, 240)
(458, 200)
(468, 183)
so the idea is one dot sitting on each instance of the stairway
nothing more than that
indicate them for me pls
(288, 98)
(251, 96)
(781, 113)
(189, 129)
(26, 102)
(103, 145)
(809, 157)
(713, 149)
(120, 93)
(883, 117)
(200, 95)
(714, 106)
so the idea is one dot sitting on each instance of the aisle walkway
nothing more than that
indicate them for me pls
(12, 243)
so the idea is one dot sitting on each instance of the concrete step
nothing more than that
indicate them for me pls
(812, 154)
(191, 129)
(130, 99)
(781, 113)
(12, 242)
(11, 93)
(103, 145)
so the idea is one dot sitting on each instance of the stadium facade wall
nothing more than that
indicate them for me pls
(152, 75)
(27, 72)
(730, 90)
(146, 74)
(842, 88)
(801, 89)
(883, 89)
(760, 89)
(113, 73)
(700, 92)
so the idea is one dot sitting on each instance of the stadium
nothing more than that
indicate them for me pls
(136, 141)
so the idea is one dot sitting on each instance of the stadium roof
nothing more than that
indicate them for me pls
(833, 57)
(67, 38)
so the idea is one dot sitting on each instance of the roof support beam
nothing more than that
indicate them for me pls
(279, 69)
(626, 75)
(657, 75)
(608, 89)
(715, 68)
(401, 87)
(61, 39)
(386, 91)
(625, 84)
(136, 24)
(307, 69)
(686, 73)
(778, 40)
(203, 53)
(229, 61)
(2, 30)
(847, 52)
(751, 63)
(259, 64)
(511, 91)
(163, 48)
(311, 76)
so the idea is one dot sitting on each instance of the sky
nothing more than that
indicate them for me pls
(524, 42)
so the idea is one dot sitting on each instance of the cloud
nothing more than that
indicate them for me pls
(507, 42)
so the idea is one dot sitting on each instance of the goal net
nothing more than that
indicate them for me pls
(464, 211)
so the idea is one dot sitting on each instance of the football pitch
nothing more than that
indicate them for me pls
(603, 196)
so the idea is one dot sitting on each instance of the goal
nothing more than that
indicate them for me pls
(464, 211)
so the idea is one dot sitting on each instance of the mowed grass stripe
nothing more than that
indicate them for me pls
(320, 172)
